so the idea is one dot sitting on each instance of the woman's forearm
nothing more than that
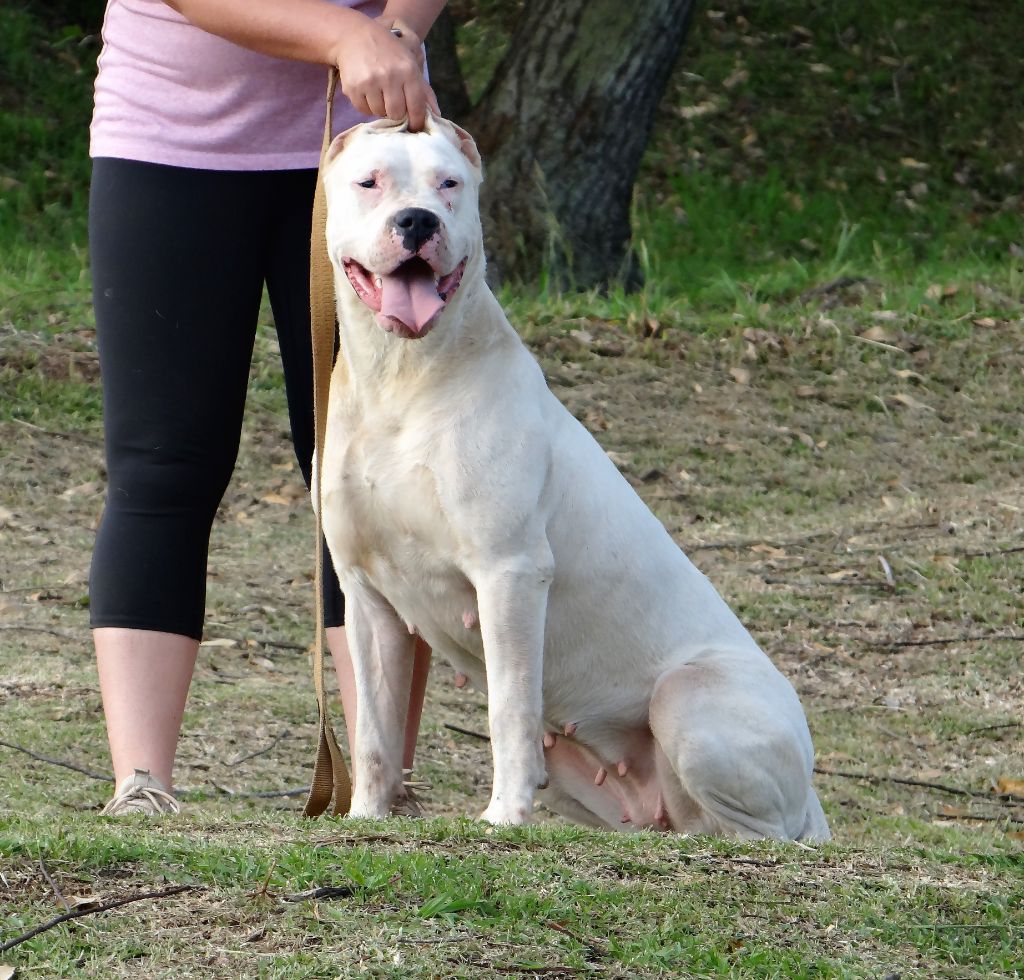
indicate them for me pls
(417, 14)
(300, 30)
(381, 75)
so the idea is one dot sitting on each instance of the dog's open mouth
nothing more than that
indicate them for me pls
(408, 298)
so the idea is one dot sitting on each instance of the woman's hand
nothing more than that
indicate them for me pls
(382, 74)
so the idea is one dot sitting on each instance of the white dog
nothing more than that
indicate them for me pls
(461, 500)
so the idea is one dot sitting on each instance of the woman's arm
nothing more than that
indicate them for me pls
(415, 15)
(380, 75)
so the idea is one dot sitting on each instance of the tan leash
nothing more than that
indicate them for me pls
(330, 775)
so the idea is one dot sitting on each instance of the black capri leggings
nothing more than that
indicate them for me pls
(179, 259)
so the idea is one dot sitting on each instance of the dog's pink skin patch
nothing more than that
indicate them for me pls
(363, 283)
(461, 680)
(634, 797)
(469, 620)
(549, 740)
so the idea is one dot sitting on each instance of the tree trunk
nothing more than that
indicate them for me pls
(562, 127)
(445, 71)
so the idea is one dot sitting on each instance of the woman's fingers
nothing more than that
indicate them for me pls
(382, 76)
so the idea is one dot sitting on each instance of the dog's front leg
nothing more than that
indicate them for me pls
(382, 660)
(512, 601)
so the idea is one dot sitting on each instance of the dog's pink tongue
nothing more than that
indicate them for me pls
(410, 295)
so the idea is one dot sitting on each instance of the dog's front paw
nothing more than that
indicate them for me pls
(364, 810)
(501, 813)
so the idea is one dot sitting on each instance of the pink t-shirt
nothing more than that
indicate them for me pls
(168, 92)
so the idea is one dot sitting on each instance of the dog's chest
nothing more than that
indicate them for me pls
(384, 515)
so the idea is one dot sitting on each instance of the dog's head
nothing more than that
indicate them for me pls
(403, 220)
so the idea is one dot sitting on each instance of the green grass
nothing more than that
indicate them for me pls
(448, 898)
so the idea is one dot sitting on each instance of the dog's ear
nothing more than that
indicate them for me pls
(338, 143)
(459, 137)
(468, 147)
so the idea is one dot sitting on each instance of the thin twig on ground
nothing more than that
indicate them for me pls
(73, 436)
(16, 628)
(284, 733)
(988, 554)
(992, 728)
(106, 906)
(266, 794)
(999, 799)
(942, 641)
(56, 891)
(467, 731)
(58, 762)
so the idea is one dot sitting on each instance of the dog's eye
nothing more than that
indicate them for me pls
(450, 182)
(368, 183)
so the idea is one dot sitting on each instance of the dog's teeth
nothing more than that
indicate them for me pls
(379, 282)
(570, 728)
(600, 777)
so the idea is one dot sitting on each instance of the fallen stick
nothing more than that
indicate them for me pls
(950, 640)
(1000, 799)
(58, 762)
(53, 885)
(466, 731)
(14, 628)
(77, 914)
(284, 733)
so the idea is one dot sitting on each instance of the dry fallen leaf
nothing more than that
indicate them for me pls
(948, 810)
(984, 321)
(906, 374)
(219, 642)
(83, 489)
(1011, 787)
(879, 334)
(621, 461)
(81, 903)
(909, 401)
(740, 375)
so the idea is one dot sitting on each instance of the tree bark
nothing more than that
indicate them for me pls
(445, 71)
(562, 127)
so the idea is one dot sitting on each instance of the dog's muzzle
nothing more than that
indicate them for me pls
(407, 299)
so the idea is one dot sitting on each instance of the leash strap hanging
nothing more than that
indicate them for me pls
(330, 774)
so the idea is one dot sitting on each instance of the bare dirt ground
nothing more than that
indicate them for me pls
(852, 485)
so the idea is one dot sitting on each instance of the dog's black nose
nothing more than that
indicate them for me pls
(416, 226)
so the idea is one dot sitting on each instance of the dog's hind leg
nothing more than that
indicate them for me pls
(734, 756)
